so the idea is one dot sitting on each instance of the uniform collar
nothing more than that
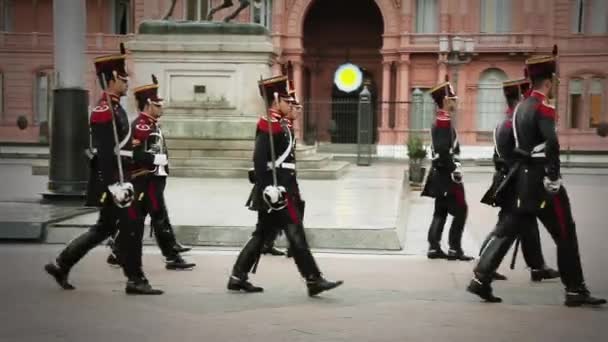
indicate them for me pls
(537, 94)
(275, 114)
(153, 119)
(115, 98)
(443, 114)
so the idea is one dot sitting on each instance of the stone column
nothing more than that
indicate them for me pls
(386, 92)
(403, 95)
(70, 134)
(298, 84)
(442, 68)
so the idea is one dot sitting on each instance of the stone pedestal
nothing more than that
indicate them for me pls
(208, 73)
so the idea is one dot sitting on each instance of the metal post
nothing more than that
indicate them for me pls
(70, 134)
(364, 129)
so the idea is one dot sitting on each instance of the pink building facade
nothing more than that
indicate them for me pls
(404, 46)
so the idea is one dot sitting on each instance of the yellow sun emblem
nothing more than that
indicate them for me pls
(348, 77)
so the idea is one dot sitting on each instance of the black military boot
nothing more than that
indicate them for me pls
(581, 296)
(483, 290)
(436, 253)
(141, 286)
(113, 260)
(180, 248)
(319, 284)
(498, 276)
(543, 273)
(178, 263)
(270, 249)
(60, 275)
(242, 284)
(458, 254)
(289, 253)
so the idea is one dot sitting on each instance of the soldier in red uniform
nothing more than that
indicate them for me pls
(279, 205)
(444, 182)
(149, 176)
(105, 189)
(504, 145)
(537, 191)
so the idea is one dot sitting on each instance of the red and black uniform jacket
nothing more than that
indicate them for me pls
(147, 141)
(104, 165)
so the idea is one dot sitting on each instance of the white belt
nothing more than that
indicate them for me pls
(291, 166)
(122, 153)
(538, 155)
(125, 153)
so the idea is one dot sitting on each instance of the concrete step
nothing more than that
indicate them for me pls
(321, 238)
(24, 152)
(333, 170)
(207, 144)
(308, 162)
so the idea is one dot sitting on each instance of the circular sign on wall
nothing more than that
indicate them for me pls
(348, 77)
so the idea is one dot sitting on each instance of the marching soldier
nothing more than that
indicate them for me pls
(504, 143)
(276, 195)
(109, 128)
(537, 191)
(444, 182)
(149, 176)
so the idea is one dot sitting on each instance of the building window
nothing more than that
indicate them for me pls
(575, 94)
(589, 16)
(426, 16)
(261, 13)
(423, 109)
(495, 16)
(121, 18)
(196, 10)
(491, 104)
(6, 9)
(44, 97)
(596, 102)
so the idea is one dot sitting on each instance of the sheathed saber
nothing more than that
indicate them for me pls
(104, 85)
(514, 258)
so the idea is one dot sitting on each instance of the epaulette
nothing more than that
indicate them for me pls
(101, 113)
(443, 119)
(264, 126)
(143, 128)
(546, 110)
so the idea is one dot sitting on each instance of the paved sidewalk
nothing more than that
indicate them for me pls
(384, 298)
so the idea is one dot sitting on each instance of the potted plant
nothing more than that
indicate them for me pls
(416, 153)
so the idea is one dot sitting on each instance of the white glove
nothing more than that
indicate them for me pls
(160, 159)
(122, 194)
(457, 173)
(552, 187)
(274, 196)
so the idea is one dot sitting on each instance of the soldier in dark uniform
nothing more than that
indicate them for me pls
(504, 144)
(279, 205)
(149, 176)
(537, 191)
(444, 182)
(105, 190)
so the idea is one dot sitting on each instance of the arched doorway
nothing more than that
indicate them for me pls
(491, 103)
(337, 32)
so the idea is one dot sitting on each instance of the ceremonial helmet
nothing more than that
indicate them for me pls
(148, 94)
(515, 89)
(443, 91)
(274, 88)
(542, 67)
(112, 66)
